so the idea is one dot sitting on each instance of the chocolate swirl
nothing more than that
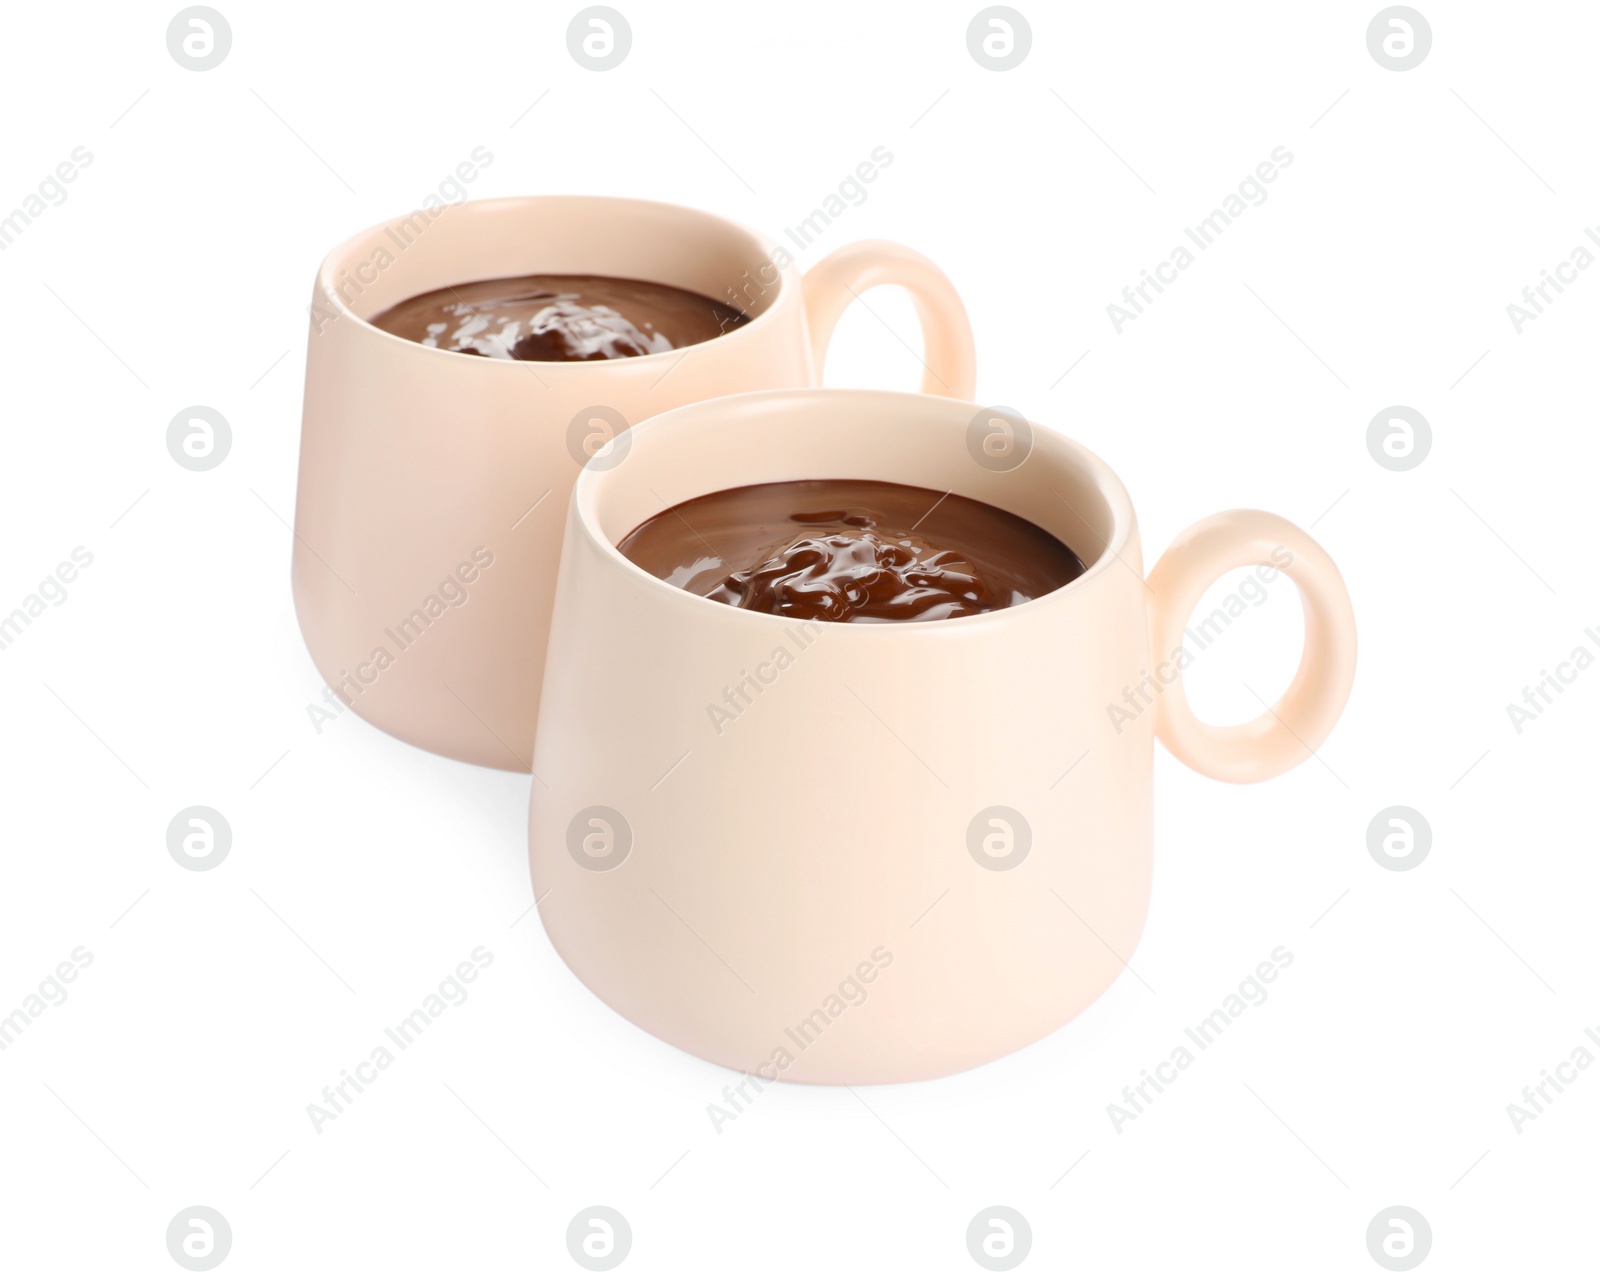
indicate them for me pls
(559, 317)
(876, 552)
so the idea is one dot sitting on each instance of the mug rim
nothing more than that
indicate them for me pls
(347, 249)
(1124, 524)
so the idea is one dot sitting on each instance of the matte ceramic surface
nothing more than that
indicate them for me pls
(433, 486)
(835, 853)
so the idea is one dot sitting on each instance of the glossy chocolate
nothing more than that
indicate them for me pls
(559, 317)
(851, 551)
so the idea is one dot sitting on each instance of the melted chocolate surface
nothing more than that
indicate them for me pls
(851, 551)
(559, 317)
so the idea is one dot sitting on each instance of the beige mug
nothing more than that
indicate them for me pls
(834, 853)
(433, 486)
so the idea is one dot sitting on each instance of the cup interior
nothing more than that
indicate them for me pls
(553, 235)
(927, 441)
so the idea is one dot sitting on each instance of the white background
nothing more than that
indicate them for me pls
(219, 1004)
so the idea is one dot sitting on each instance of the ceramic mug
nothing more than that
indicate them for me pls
(433, 486)
(842, 853)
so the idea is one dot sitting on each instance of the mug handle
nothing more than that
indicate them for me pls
(1291, 731)
(840, 278)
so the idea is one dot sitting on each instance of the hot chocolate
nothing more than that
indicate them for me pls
(851, 551)
(559, 317)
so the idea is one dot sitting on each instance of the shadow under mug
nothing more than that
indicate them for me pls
(836, 853)
(433, 486)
